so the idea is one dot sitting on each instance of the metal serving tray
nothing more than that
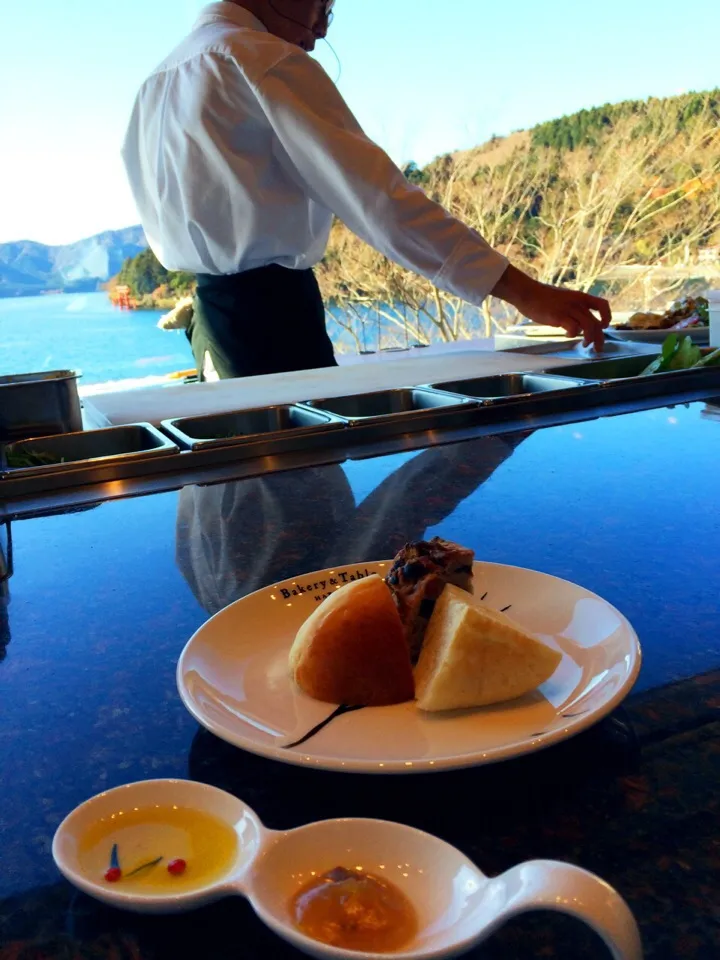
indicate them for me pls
(116, 477)
(277, 429)
(508, 386)
(617, 368)
(390, 411)
(89, 452)
(34, 404)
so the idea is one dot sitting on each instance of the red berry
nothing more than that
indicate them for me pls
(176, 867)
(113, 874)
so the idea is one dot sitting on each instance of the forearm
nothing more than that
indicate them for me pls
(515, 288)
(422, 236)
(325, 149)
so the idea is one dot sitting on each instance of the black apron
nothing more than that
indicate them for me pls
(268, 320)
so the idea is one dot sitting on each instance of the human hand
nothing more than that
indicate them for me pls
(556, 306)
(573, 311)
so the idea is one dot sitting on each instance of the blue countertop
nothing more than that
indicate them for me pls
(102, 600)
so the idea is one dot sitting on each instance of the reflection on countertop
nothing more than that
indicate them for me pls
(233, 538)
(101, 602)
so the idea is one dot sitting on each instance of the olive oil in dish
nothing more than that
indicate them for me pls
(158, 849)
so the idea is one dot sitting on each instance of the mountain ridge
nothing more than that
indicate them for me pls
(28, 268)
(562, 151)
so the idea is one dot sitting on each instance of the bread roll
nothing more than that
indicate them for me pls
(351, 650)
(417, 578)
(473, 656)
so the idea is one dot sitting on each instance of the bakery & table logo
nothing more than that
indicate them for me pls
(321, 589)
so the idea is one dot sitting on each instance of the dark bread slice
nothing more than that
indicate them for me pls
(418, 577)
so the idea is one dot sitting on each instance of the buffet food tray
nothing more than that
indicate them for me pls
(614, 368)
(509, 386)
(39, 403)
(257, 432)
(373, 424)
(385, 412)
(82, 457)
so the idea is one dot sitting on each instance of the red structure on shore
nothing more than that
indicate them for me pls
(122, 298)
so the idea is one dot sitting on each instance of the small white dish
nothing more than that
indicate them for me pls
(146, 794)
(456, 904)
(233, 677)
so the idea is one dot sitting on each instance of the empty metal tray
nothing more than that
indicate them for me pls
(38, 404)
(508, 386)
(272, 426)
(617, 368)
(88, 450)
(387, 412)
(365, 407)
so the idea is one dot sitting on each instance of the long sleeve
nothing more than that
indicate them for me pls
(327, 153)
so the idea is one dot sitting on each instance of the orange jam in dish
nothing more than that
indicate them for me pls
(355, 911)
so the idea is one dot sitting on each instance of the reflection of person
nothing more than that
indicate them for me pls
(239, 152)
(5, 574)
(4, 620)
(233, 538)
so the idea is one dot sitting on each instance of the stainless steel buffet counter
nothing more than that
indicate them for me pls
(207, 432)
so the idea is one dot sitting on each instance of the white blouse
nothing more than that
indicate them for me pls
(240, 150)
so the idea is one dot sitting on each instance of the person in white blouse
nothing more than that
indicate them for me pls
(239, 152)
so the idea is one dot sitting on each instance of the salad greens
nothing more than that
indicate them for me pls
(703, 310)
(32, 458)
(681, 354)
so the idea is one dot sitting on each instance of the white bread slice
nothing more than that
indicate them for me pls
(474, 656)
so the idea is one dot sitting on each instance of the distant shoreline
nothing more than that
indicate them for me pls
(19, 294)
(145, 303)
(50, 295)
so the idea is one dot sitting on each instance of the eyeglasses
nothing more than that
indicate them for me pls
(328, 12)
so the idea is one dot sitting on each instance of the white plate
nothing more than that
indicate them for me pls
(699, 335)
(233, 678)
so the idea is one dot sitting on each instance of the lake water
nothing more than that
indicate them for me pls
(85, 332)
(120, 349)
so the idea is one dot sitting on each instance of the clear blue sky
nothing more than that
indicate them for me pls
(423, 76)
